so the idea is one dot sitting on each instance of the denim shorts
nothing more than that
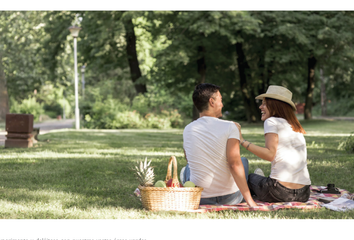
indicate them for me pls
(229, 199)
(267, 189)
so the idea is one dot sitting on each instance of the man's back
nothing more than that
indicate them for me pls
(204, 142)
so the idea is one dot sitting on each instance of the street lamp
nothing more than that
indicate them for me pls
(74, 30)
(83, 80)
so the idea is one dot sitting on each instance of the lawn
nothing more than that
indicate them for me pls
(86, 174)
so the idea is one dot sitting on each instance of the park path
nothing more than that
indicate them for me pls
(45, 127)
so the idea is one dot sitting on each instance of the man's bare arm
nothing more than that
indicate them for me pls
(237, 169)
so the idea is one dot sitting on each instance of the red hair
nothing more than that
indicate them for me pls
(284, 110)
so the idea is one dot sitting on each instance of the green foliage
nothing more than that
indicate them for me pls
(36, 47)
(113, 114)
(47, 103)
(53, 110)
(57, 47)
(341, 107)
(113, 105)
(122, 90)
(27, 106)
(165, 120)
(102, 114)
(22, 34)
(160, 108)
(126, 119)
(53, 100)
(348, 144)
(153, 101)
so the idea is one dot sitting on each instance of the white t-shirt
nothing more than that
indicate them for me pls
(290, 161)
(204, 141)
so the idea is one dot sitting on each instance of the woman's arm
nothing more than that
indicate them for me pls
(268, 152)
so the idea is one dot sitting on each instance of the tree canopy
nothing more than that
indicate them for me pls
(169, 52)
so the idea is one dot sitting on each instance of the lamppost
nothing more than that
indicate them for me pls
(83, 80)
(74, 30)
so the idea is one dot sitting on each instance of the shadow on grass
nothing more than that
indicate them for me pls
(92, 170)
(84, 170)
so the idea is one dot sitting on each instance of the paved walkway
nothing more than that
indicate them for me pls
(45, 127)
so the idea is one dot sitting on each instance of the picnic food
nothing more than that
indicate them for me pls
(171, 183)
(170, 198)
(189, 184)
(160, 183)
(144, 173)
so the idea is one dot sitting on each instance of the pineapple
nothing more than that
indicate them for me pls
(144, 173)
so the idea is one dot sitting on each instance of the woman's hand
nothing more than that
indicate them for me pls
(239, 129)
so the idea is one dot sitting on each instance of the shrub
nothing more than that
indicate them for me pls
(126, 119)
(174, 117)
(157, 121)
(102, 114)
(53, 110)
(55, 101)
(141, 104)
(27, 106)
(348, 144)
(147, 111)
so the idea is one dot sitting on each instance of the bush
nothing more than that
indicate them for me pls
(174, 118)
(112, 114)
(337, 107)
(54, 102)
(348, 144)
(27, 106)
(53, 110)
(102, 114)
(126, 119)
(157, 121)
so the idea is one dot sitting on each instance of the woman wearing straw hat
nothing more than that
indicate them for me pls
(285, 148)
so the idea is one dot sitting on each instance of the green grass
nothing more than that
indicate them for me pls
(86, 174)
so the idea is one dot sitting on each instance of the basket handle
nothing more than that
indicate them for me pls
(175, 181)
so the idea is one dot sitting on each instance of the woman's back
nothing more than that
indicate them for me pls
(290, 161)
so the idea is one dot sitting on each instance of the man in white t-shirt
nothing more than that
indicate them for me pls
(212, 151)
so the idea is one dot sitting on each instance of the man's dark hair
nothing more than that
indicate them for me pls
(201, 95)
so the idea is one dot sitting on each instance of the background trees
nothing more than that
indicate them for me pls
(150, 61)
(21, 71)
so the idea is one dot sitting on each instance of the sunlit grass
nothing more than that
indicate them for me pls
(86, 174)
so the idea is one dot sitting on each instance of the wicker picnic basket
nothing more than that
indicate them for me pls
(170, 198)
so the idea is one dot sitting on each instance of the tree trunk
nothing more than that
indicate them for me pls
(4, 98)
(251, 108)
(132, 55)
(269, 75)
(323, 95)
(263, 85)
(310, 87)
(202, 73)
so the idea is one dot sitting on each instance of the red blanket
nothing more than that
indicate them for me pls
(264, 206)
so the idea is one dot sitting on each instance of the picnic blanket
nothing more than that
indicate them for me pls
(312, 203)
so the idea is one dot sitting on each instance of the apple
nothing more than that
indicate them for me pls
(160, 183)
(189, 184)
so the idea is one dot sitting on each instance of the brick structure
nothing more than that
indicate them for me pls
(19, 129)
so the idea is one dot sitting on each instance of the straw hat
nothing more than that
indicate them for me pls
(279, 93)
